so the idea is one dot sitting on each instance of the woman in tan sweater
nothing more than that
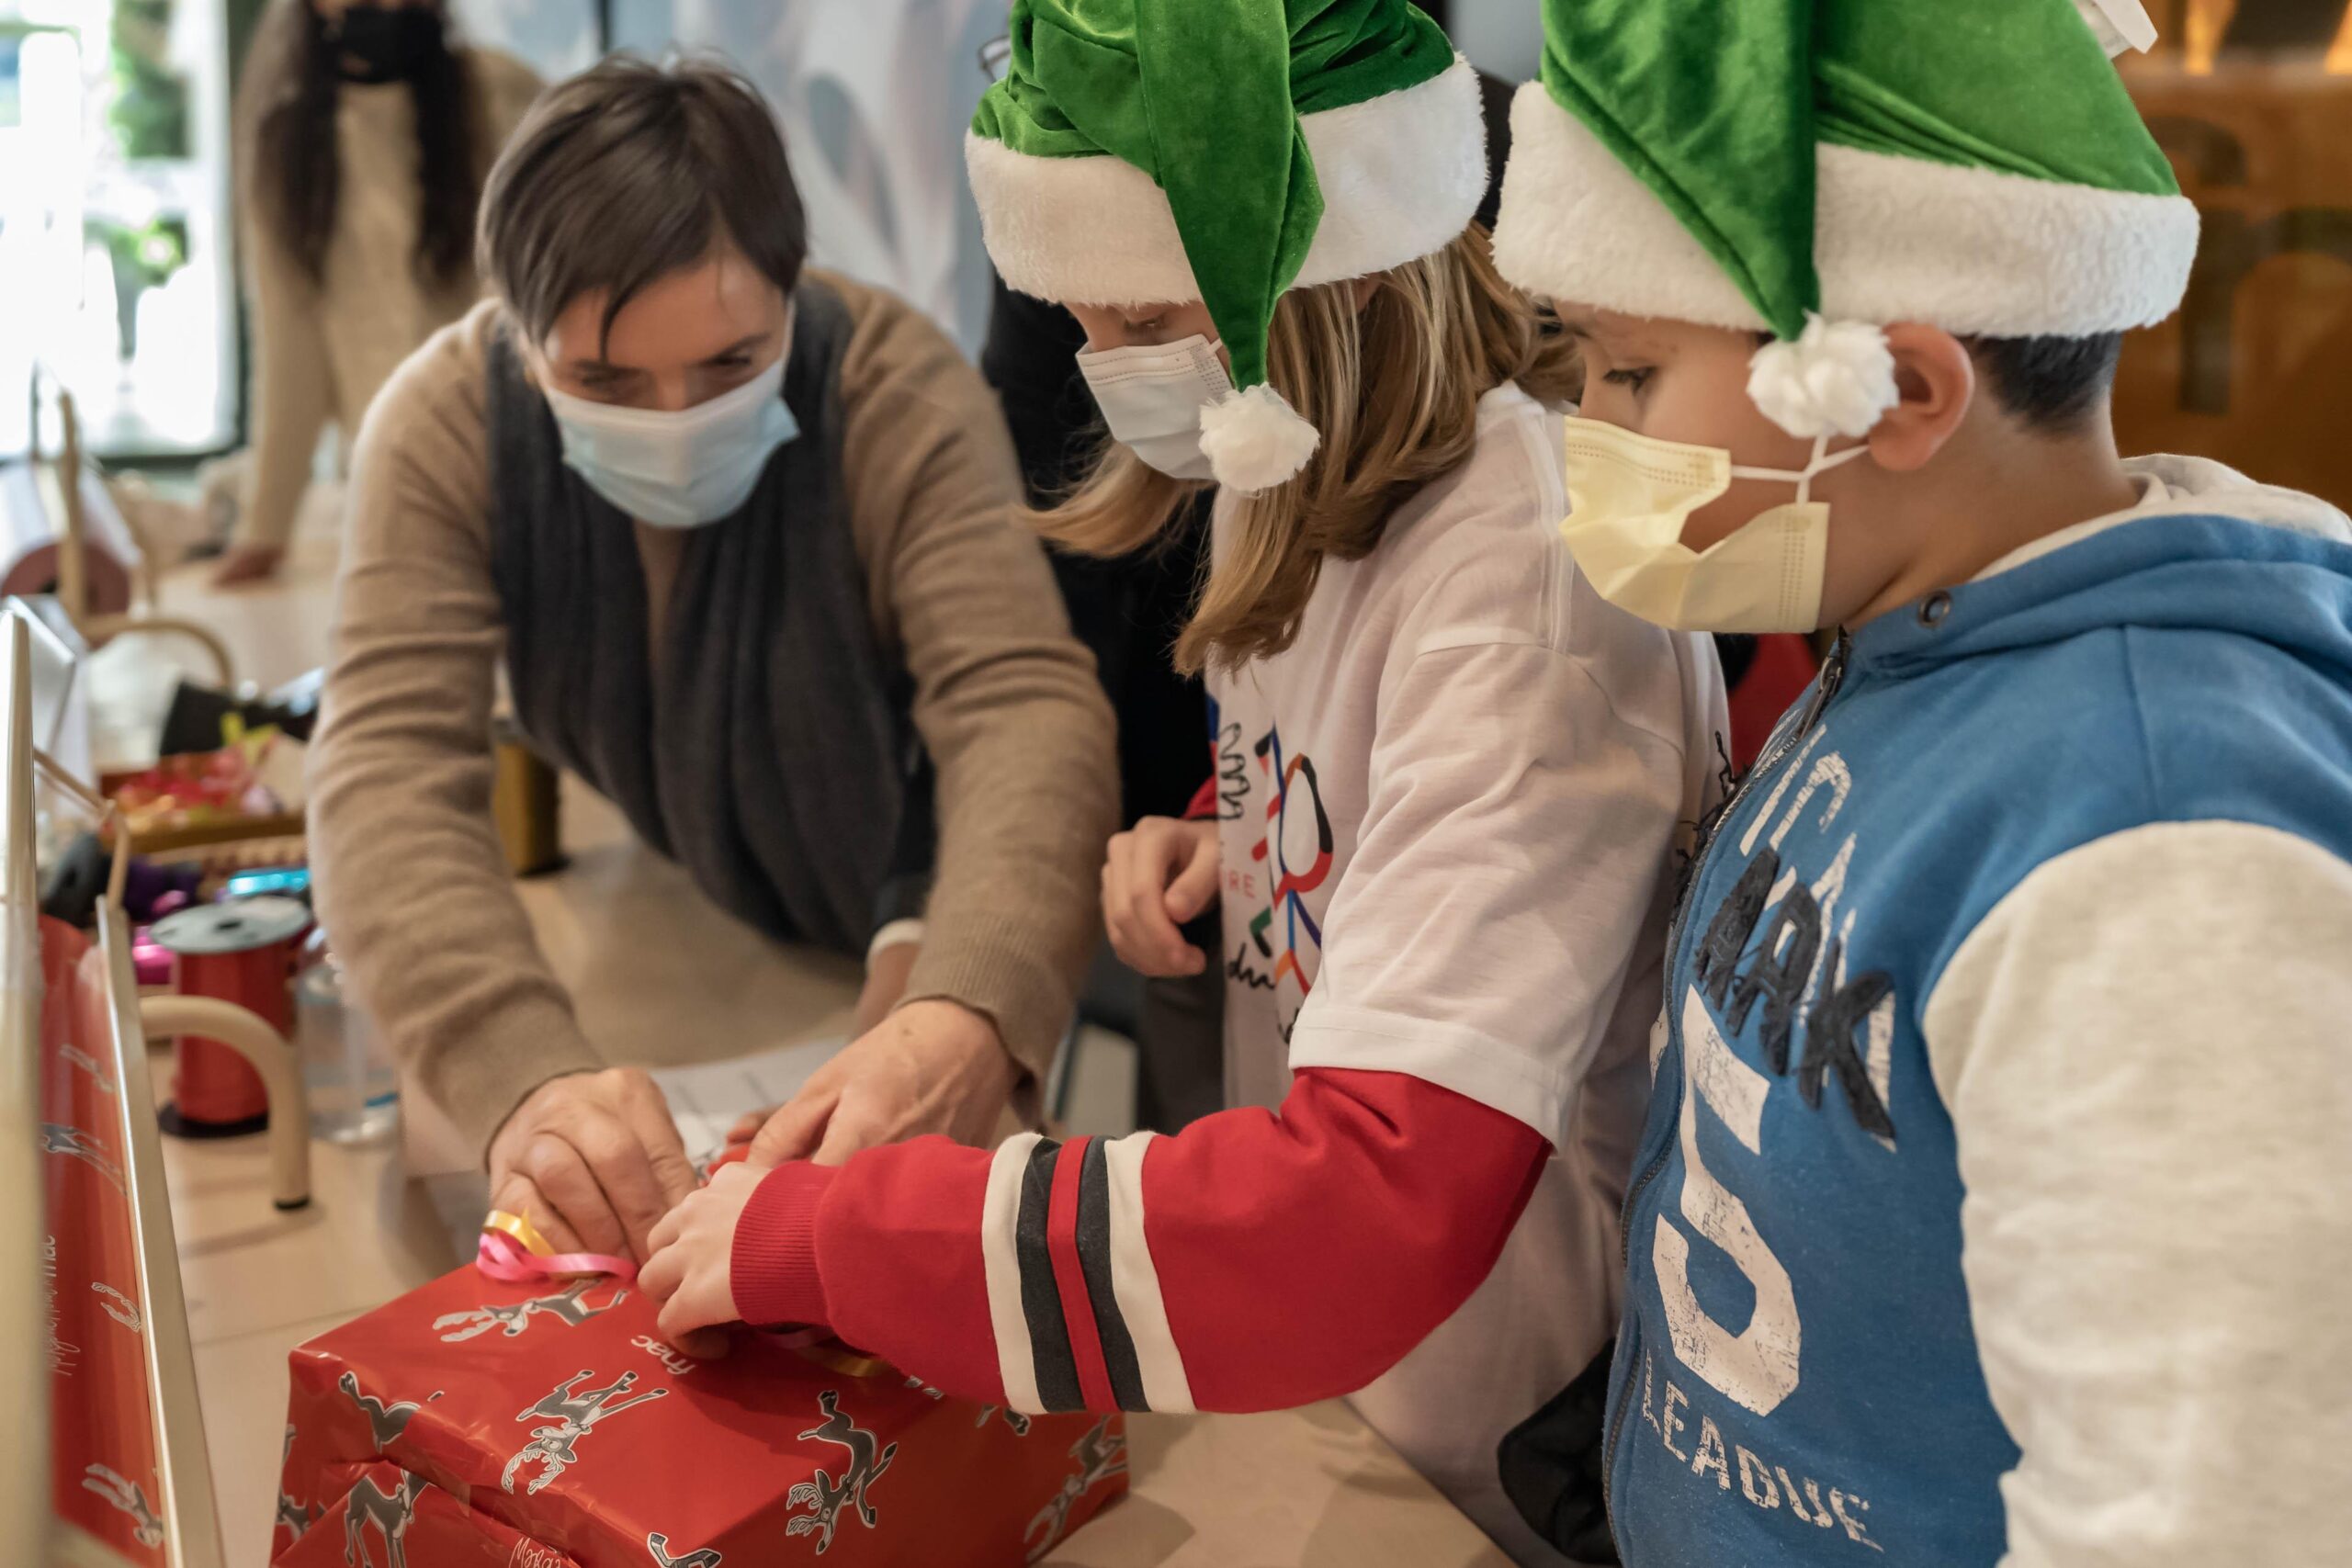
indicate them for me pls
(744, 536)
(364, 135)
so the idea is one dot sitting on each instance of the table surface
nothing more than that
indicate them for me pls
(661, 976)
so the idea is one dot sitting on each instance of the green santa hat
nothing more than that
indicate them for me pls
(1146, 152)
(1818, 169)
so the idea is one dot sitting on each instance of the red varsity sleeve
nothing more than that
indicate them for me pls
(1254, 1261)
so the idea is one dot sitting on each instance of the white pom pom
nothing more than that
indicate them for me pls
(1835, 380)
(1255, 440)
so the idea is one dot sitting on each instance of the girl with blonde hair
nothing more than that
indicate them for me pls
(1442, 821)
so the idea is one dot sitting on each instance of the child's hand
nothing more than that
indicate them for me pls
(1158, 874)
(690, 1271)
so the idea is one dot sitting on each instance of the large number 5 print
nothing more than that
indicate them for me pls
(1758, 1366)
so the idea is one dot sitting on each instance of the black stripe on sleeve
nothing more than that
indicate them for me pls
(1041, 1302)
(1095, 1260)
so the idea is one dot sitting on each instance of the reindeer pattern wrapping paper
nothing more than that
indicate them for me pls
(391, 1516)
(548, 1426)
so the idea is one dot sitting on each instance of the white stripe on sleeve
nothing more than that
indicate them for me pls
(1000, 1250)
(1135, 1281)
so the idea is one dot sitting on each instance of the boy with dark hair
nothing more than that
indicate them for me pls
(1991, 1203)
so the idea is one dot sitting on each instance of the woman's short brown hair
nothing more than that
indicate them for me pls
(629, 171)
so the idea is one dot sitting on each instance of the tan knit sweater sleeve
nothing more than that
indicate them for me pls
(412, 884)
(1006, 699)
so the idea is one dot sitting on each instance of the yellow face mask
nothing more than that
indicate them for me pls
(1629, 496)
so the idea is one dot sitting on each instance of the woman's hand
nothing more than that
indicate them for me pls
(691, 1271)
(932, 1067)
(248, 563)
(594, 1160)
(1160, 874)
(886, 972)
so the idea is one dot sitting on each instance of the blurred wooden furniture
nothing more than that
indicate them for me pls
(2252, 99)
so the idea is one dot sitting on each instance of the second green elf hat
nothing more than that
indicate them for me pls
(1818, 169)
(1152, 152)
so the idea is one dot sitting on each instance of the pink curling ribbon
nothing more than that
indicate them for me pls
(513, 1249)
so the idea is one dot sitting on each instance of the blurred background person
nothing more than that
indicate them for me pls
(364, 132)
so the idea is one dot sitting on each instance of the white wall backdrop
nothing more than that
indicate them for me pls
(557, 36)
(873, 97)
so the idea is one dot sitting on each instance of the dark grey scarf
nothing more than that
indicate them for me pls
(768, 747)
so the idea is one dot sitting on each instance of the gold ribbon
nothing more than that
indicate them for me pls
(842, 1359)
(521, 1229)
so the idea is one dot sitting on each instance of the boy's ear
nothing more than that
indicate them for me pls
(1936, 381)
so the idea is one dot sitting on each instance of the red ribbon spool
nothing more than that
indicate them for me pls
(242, 953)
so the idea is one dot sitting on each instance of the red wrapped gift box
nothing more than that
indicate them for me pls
(472, 1421)
(388, 1515)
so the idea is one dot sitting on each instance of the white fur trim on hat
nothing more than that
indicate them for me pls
(1402, 176)
(1972, 251)
(1254, 439)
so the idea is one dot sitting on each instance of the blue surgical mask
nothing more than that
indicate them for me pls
(683, 469)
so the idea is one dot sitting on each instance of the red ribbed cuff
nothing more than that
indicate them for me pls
(772, 1265)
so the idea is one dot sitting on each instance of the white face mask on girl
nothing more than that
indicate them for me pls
(678, 470)
(1151, 395)
(1629, 496)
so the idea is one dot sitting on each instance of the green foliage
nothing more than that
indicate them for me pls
(148, 254)
(150, 112)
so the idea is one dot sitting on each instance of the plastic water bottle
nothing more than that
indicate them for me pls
(346, 1075)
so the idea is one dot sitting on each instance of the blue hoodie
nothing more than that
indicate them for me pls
(1994, 1195)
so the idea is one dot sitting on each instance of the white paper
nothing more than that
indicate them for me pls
(707, 1100)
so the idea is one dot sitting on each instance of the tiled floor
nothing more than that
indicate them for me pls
(660, 976)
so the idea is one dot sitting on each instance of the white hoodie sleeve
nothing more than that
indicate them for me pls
(2146, 1049)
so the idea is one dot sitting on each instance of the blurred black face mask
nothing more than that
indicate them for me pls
(386, 43)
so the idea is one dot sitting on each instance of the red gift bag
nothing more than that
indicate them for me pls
(103, 1459)
(497, 1421)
